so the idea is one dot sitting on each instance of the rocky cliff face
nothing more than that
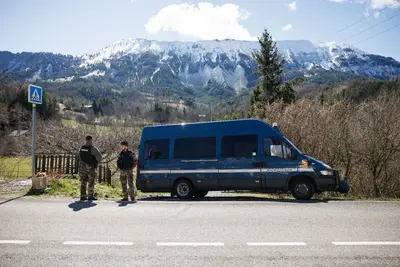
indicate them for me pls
(141, 62)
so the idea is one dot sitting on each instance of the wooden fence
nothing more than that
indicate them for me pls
(67, 164)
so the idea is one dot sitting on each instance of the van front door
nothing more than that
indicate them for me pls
(239, 167)
(279, 164)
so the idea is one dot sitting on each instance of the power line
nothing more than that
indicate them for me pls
(379, 33)
(373, 26)
(268, 80)
(364, 18)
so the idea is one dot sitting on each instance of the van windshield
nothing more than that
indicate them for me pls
(292, 145)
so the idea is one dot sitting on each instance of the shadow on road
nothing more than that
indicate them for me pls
(11, 199)
(79, 205)
(233, 199)
(125, 203)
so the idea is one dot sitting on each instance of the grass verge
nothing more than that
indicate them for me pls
(70, 187)
(321, 197)
(12, 168)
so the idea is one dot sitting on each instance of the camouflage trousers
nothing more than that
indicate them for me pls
(127, 179)
(88, 177)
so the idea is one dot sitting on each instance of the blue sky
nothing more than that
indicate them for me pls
(81, 26)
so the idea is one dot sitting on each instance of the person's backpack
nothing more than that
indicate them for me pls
(86, 156)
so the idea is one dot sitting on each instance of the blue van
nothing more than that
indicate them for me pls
(192, 159)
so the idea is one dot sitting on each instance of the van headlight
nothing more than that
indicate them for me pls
(326, 173)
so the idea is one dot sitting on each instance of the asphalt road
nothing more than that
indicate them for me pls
(35, 232)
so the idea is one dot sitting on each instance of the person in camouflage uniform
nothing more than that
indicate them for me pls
(90, 157)
(126, 162)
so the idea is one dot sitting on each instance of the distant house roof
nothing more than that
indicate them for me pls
(17, 133)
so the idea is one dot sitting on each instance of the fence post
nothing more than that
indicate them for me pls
(55, 163)
(48, 164)
(104, 174)
(77, 159)
(108, 176)
(64, 163)
(51, 163)
(72, 164)
(44, 163)
(60, 163)
(67, 165)
(100, 173)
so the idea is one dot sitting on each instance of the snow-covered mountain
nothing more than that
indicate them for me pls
(140, 62)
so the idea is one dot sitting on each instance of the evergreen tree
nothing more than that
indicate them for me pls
(95, 108)
(100, 108)
(270, 69)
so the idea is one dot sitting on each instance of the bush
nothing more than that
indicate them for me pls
(362, 141)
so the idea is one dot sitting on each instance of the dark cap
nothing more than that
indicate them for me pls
(88, 138)
(124, 143)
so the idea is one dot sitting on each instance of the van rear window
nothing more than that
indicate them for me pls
(239, 146)
(192, 148)
(156, 149)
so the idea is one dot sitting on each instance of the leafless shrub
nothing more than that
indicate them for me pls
(362, 141)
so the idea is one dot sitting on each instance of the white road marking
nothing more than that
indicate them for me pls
(191, 244)
(97, 243)
(20, 242)
(272, 244)
(368, 243)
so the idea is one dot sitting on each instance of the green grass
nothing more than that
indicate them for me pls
(88, 127)
(15, 168)
(70, 123)
(70, 187)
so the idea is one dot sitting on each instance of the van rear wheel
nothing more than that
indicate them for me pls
(200, 193)
(183, 189)
(303, 189)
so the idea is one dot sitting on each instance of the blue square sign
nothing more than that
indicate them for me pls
(35, 94)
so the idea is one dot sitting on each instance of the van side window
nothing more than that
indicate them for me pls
(156, 149)
(276, 148)
(192, 148)
(239, 146)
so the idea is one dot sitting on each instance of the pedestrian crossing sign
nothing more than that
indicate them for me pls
(35, 94)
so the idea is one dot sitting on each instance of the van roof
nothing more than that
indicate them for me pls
(199, 129)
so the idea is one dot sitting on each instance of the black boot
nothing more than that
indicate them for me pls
(92, 198)
(125, 199)
(83, 198)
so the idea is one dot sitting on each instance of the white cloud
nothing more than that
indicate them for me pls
(287, 27)
(380, 4)
(202, 21)
(293, 6)
(373, 4)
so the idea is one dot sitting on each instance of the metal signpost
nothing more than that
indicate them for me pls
(35, 95)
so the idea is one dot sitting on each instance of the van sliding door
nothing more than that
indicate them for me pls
(195, 159)
(239, 167)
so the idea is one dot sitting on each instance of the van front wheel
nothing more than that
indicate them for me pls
(303, 189)
(183, 189)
